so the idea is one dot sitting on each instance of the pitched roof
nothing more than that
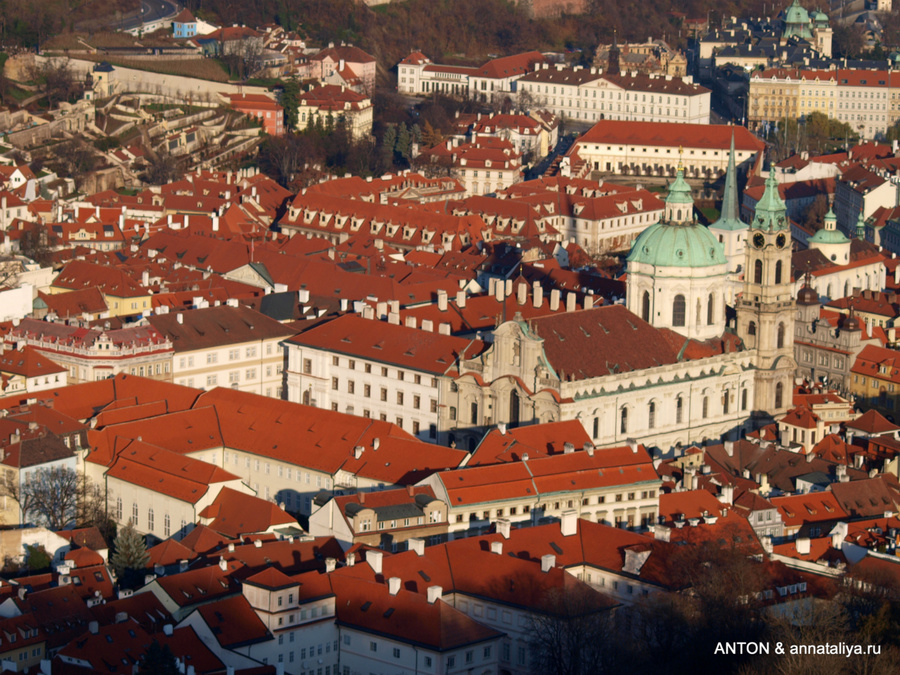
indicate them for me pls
(216, 327)
(601, 341)
(383, 342)
(236, 513)
(667, 134)
(535, 440)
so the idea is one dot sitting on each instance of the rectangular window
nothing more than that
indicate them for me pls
(334, 383)
(383, 394)
(307, 366)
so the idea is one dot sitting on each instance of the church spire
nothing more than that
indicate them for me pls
(730, 218)
(613, 67)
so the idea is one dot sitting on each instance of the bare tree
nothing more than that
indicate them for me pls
(11, 488)
(573, 634)
(58, 80)
(54, 493)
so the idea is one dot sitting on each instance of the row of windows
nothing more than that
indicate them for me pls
(653, 409)
(367, 368)
(151, 518)
(233, 355)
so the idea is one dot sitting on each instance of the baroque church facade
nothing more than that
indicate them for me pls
(665, 370)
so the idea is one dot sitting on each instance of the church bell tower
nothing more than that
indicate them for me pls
(765, 310)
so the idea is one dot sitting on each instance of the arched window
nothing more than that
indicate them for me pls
(710, 311)
(596, 427)
(150, 520)
(757, 272)
(779, 394)
(623, 421)
(134, 514)
(725, 399)
(306, 397)
(513, 408)
(705, 411)
(167, 525)
(699, 310)
(778, 272)
(751, 328)
(645, 307)
(651, 415)
(780, 339)
(474, 409)
(679, 410)
(678, 310)
(744, 397)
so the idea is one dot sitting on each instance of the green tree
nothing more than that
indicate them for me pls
(404, 142)
(290, 100)
(37, 558)
(130, 556)
(388, 141)
(159, 660)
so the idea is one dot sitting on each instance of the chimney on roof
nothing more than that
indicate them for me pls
(548, 562)
(167, 630)
(428, 325)
(358, 451)
(303, 296)
(589, 449)
(380, 310)
(633, 445)
(500, 290)
(568, 523)
(223, 565)
(554, 300)
(351, 559)
(524, 456)
(497, 547)
(442, 300)
(729, 448)
(416, 544)
(522, 294)
(503, 527)
(461, 299)
(330, 565)
(589, 302)
(726, 494)
(376, 443)
(409, 322)
(568, 448)
(230, 547)
(444, 329)
(182, 565)
(570, 302)
(362, 497)
(257, 543)
(94, 627)
(393, 318)
(537, 294)
(215, 223)
(375, 558)
(434, 594)
(179, 317)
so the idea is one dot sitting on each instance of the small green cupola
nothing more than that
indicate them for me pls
(680, 202)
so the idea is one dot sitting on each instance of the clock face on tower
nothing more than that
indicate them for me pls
(781, 241)
(759, 240)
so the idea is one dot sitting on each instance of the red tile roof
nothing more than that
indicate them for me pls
(235, 514)
(388, 343)
(535, 440)
(666, 134)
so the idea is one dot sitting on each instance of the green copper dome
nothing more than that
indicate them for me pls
(829, 234)
(677, 245)
(796, 22)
